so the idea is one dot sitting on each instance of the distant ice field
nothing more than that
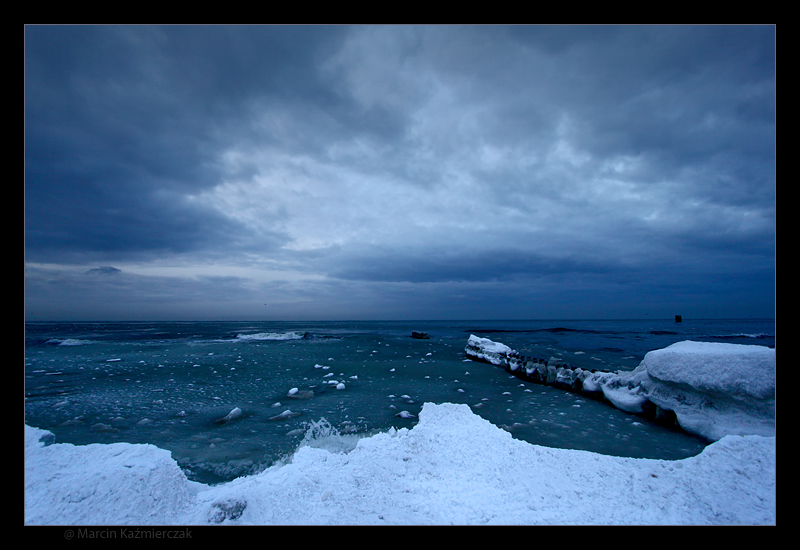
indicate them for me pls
(171, 384)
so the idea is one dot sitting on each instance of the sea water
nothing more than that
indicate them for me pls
(170, 384)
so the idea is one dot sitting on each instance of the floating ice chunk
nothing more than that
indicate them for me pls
(284, 415)
(305, 394)
(292, 392)
(234, 414)
(405, 414)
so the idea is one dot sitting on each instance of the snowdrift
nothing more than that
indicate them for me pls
(452, 468)
(714, 389)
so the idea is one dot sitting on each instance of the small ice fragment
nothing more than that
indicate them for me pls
(235, 413)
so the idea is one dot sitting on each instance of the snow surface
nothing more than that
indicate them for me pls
(454, 467)
(714, 389)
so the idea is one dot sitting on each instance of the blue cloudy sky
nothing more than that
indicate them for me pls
(399, 172)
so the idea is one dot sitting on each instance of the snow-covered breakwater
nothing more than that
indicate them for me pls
(709, 389)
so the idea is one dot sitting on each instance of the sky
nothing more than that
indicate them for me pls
(399, 172)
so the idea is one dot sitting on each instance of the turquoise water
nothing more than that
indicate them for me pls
(168, 384)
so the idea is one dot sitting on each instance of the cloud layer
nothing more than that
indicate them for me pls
(396, 172)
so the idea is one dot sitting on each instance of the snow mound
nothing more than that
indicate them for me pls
(714, 389)
(452, 468)
(743, 372)
(488, 350)
(119, 483)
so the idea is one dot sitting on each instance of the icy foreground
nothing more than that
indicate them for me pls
(453, 467)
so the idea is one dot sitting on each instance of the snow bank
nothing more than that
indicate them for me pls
(453, 467)
(712, 389)
(120, 483)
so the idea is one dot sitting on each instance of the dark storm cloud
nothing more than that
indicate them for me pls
(434, 265)
(427, 164)
(104, 270)
(124, 123)
(102, 293)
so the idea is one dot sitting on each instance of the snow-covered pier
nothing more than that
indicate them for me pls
(709, 389)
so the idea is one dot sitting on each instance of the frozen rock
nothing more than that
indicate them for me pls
(228, 509)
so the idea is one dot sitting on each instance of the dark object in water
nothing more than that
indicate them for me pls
(678, 319)
(420, 335)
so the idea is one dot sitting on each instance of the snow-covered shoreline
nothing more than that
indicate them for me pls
(452, 468)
